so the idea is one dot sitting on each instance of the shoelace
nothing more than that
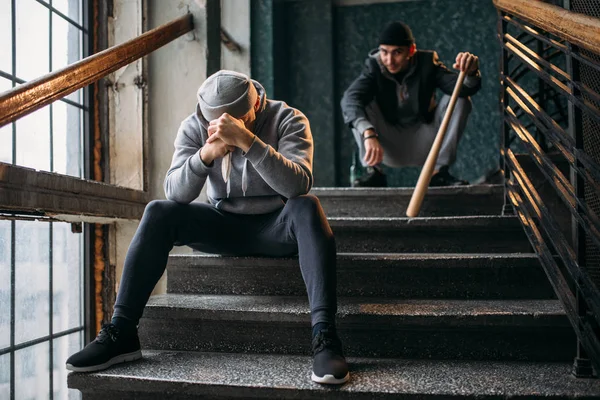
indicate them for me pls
(108, 331)
(327, 340)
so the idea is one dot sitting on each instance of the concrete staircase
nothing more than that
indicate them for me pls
(452, 304)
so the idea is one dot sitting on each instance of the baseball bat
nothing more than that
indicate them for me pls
(427, 172)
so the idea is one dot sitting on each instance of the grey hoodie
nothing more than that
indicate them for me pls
(277, 166)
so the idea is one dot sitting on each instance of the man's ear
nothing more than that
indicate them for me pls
(257, 104)
(412, 50)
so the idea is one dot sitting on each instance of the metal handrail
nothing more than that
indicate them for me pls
(35, 94)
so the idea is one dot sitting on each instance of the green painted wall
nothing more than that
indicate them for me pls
(317, 49)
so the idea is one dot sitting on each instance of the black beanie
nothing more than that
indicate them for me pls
(396, 34)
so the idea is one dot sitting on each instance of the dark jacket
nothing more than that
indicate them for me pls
(425, 74)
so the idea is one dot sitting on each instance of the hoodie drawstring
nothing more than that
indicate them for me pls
(245, 177)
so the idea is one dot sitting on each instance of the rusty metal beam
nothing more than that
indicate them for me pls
(579, 29)
(44, 193)
(40, 92)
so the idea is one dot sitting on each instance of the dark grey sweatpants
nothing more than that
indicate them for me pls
(403, 146)
(300, 227)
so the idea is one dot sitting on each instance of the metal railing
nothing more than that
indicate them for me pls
(551, 152)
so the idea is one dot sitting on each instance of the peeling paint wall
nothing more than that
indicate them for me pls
(126, 102)
(235, 20)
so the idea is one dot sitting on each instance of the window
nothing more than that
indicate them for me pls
(41, 263)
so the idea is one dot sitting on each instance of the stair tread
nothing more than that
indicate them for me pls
(408, 191)
(284, 376)
(201, 258)
(458, 220)
(220, 305)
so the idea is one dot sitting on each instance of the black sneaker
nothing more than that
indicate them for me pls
(443, 178)
(329, 364)
(373, 177)
(110, 347)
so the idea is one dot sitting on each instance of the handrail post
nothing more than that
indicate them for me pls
(507, 208)
(582, 366)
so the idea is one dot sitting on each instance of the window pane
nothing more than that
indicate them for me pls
(63, 348)
(32, 378)
(67, 139)
(6, 35)
(32, 39)
(66, 42)
(33, 140)
(31, 280)
(67, 277)
(5, 230)
(6, 130)
(66, 48)
(5, 376)
(70, 8)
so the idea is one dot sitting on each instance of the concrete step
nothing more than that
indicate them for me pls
(483, 234)
(441, 329)
(172, 375)
(450, 276)
(393, 202)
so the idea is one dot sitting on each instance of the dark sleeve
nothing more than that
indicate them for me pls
(359, 94)
(446, 80)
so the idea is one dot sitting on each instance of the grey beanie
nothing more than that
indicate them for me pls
(226, 92)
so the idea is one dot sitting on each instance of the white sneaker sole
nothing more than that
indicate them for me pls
(121, 358)
(330, 379)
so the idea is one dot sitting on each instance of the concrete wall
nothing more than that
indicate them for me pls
(235, 20)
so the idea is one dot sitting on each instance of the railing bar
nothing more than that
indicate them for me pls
(556, 133)
(557, 239)
(537, 57)
(534, 33)
(549, 170)
(534, 148)
(528, 62)
(40, 92)
(591, 109)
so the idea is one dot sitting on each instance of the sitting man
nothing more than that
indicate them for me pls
(392, 110)
(256, 155)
